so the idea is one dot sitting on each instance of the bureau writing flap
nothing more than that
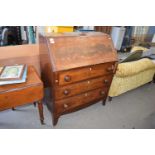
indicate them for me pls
(72, 50)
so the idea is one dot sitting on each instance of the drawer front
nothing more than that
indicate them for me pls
(81, 87)
(80, 100)
(80, 74)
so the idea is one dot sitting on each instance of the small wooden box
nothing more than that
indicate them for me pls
(78, 67)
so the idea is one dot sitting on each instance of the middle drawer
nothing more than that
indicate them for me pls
(77, 88)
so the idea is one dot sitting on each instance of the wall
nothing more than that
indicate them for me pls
(28, 54)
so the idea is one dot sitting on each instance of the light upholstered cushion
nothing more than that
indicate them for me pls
(138, 48)
(123, 84)
(134, 67)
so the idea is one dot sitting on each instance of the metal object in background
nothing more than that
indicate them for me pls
(10, 35)
(117, 35)
(4, 37)
(127, 41)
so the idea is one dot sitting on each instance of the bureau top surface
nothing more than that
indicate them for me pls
(72, 50)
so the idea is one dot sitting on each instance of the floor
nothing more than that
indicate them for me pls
(132, 110)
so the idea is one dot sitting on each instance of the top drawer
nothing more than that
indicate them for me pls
(80, 74)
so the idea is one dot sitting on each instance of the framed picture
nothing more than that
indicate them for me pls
(12, 72)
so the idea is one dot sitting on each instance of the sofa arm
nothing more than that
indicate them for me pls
(134, 67)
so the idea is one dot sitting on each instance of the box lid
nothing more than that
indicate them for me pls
(78, 49)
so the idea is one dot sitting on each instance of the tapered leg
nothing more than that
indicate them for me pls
(34, 103)
(55, 119)
(40, 108)
(13, 108)
(109, 98)
(103, 102)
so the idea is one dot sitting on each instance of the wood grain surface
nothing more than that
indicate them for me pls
(28, 92)
(28, 54)
(78, 68)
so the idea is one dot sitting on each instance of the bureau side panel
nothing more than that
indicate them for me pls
(45, 63)
(47, 74)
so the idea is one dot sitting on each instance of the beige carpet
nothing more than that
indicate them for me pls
(134, 109)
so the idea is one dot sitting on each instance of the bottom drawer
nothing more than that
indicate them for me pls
(80, 100)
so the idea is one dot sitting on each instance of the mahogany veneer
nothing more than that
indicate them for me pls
(78, 67)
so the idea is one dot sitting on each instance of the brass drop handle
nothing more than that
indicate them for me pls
(66, 92)
(67, 78)
(106, 81)
(102, 92)
(65, 106)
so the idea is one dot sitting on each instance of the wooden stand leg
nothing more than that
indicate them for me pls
(103, 102)
(109, 98)
(34, 103)
(40, 108)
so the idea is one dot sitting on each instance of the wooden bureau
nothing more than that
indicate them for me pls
(78, 67)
